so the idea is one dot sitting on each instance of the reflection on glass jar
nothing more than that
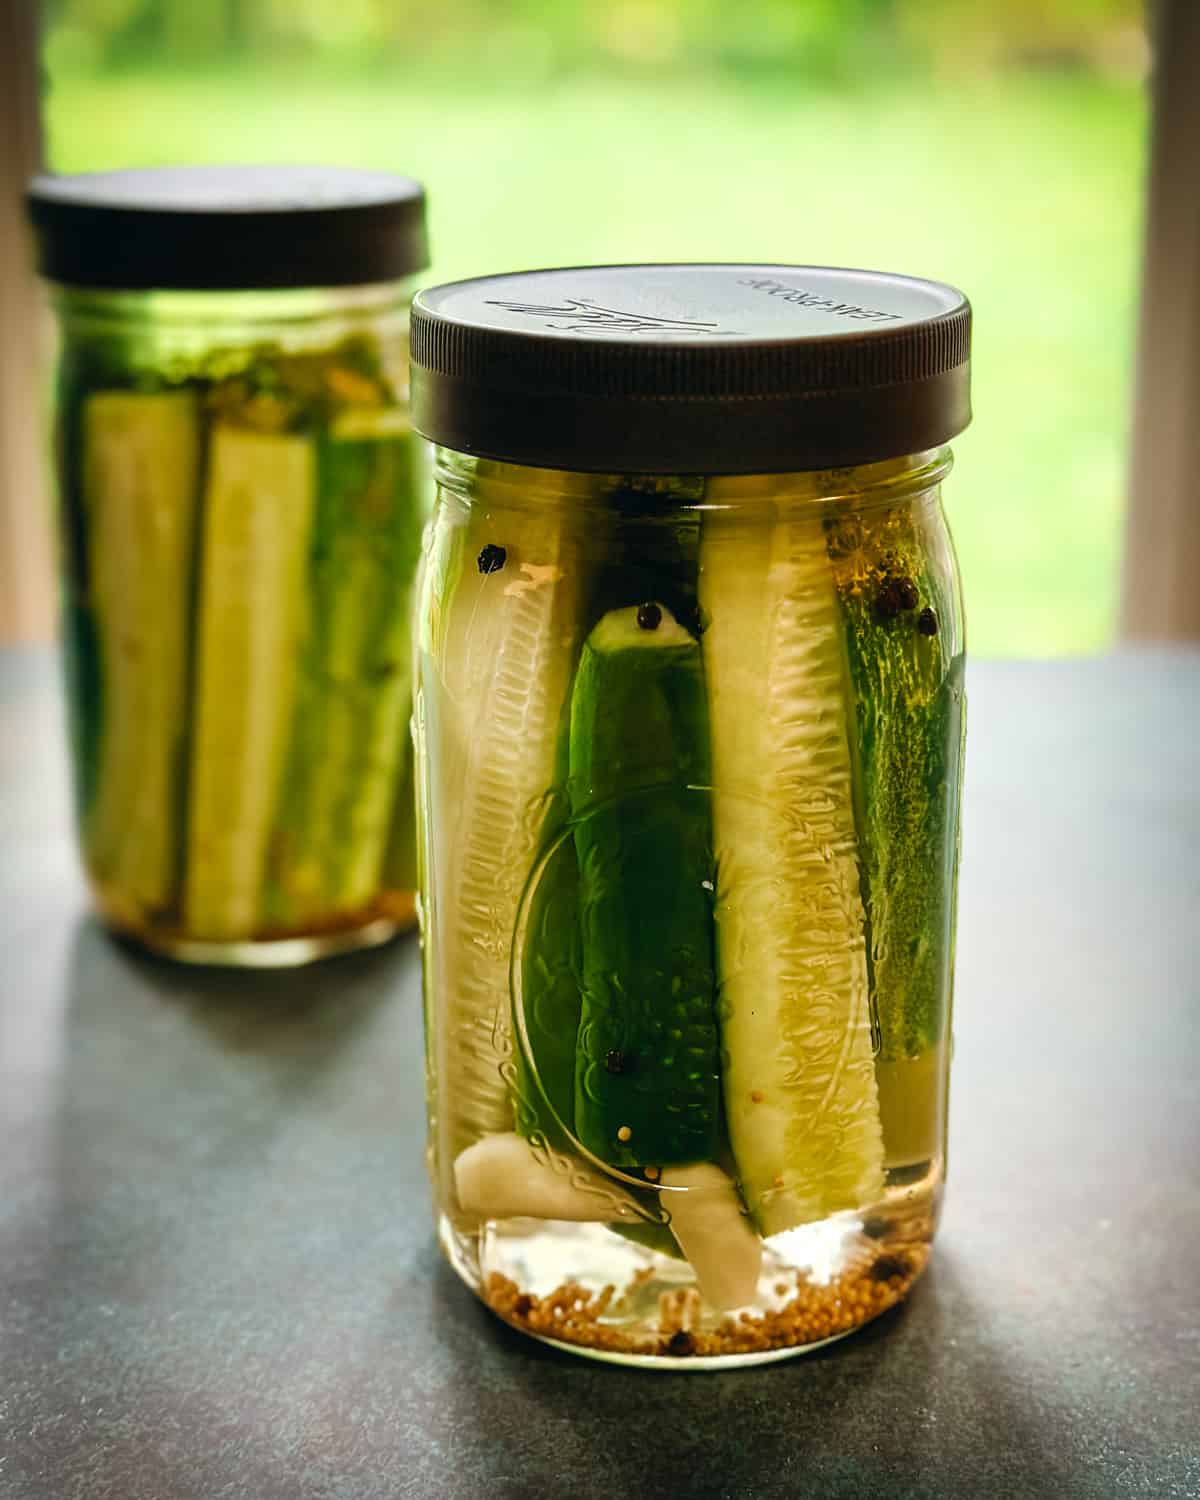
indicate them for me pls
(689, 751)
(241, 519)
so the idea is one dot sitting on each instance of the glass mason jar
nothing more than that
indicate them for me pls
(689, 720)
(241, 511)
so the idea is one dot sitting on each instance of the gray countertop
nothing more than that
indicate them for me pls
(218, 1279)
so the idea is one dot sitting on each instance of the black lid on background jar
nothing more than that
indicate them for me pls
(717, 369)
(228, 228)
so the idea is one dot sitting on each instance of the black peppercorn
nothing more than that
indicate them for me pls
(895, 596)
(681, 1343)
(887, 606)
(492, 558)
(649, 617)
(906, 593)
(887, 1267)
(927, 622)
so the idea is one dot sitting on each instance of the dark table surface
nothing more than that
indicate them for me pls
(217, 1276)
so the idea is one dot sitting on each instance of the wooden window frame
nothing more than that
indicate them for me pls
(26, 578)
(1160, 572)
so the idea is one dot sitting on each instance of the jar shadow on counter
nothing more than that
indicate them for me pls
(150, 1045)
(211, 1074)
(291, 1013)
(178, 1084)
(182, 1090)
(200, 1191)
(909, 1404)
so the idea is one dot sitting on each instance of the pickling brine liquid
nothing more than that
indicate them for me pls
(688, 780)
(241, 519)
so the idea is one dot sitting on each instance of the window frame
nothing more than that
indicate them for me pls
(1160, 565)
(26, 570)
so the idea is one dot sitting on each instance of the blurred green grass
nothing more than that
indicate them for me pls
(1023, 189)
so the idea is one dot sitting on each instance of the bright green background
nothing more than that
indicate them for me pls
(1023, 187)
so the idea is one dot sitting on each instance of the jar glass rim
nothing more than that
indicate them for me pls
(880, 482)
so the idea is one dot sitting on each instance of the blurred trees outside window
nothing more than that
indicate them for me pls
(829, 37)
(997, 144)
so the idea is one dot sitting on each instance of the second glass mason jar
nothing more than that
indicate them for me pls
(241, 508)
(689, 715)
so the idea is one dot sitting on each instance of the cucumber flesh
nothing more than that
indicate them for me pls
(799, 1081)
(647, 1089)
(140, 478)
(495, 662)
(251, 630)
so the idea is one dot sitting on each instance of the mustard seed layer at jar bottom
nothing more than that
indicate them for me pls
(810, 1312)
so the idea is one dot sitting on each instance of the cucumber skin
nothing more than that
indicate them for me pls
(85, 700)
(346, 752)
(401, 860)
(400, 863)
(908, 713)
(649, 552)
(639, 739)
(81, 647)
(551, 963)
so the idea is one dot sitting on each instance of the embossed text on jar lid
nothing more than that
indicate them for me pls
(691, 368)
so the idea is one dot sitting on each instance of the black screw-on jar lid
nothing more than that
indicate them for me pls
(228, 227)
(717, 369)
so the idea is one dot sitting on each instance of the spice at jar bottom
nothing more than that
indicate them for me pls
(690, 725)
(241, 514)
